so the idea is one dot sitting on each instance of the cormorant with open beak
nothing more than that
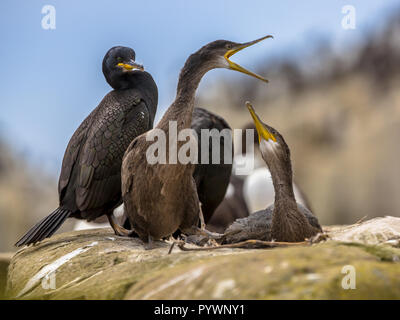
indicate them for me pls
(90, 180)
(162, 198)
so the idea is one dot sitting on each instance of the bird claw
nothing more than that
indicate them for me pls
(119, 230)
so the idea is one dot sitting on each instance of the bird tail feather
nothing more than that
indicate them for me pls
(45, 228)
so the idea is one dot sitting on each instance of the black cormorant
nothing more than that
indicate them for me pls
(90, 181)
(161, 198)
(285, 220)
(212, 179)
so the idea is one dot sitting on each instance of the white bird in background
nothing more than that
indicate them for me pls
(258, 190)
(100, 223)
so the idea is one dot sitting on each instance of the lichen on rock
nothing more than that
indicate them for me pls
(96, 264)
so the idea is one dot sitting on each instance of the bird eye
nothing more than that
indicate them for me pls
(229, 46)
(119, 59)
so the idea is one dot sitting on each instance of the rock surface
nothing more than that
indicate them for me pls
(96, 264)
(5, 259)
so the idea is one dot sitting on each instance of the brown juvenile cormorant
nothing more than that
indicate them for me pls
(211, 179)
(90, 181)
(161, 198)
(285, 220)
(251, 192)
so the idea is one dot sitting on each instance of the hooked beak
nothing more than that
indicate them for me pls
(235, 66)
(262, 131)
(130, 66)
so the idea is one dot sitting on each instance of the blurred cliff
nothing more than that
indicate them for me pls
(26, 195)
(340, 114)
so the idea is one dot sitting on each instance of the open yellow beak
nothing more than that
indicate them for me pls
(131, 65)
(235, 66)
(261, 129)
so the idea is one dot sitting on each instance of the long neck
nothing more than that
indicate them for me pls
(288, 223)
(182, 108)
(281, 173)
(285, 204)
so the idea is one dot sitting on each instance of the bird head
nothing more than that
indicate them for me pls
(219, 52)
(117, 63)
(273, 147)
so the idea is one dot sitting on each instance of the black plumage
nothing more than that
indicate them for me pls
(212, 180)
(90, 180)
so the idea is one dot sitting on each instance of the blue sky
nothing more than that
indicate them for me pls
(52, 79)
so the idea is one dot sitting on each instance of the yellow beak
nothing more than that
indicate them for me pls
(261, 129)
(235, 66)
(130, 66)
